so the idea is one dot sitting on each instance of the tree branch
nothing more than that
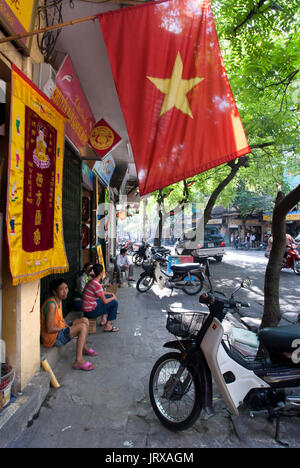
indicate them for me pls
(235, 166)
(251, 13)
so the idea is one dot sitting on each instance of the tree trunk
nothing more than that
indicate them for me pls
(283, 205)
(235, 166)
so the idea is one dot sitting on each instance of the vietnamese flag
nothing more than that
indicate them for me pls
(178, 106)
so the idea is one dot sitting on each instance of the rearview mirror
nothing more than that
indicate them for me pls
(246, 283)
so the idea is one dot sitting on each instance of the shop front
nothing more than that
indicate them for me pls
(292, 223)
(106, 219)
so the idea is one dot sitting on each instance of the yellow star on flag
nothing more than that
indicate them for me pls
(175, 89)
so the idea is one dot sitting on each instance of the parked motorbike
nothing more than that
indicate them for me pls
(292, 259)
(128, 245)
(181, 382)
(142, 255)
(161, 251)
(188, 277)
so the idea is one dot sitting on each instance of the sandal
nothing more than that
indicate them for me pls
(90, 352)
(112, 329)
(86, 366)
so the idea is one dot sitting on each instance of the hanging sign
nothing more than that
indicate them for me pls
(70, 98)
(104, 169)
(34, 196)
(16, 16)
(103, 138)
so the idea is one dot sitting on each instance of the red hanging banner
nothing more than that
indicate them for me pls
(179, 109)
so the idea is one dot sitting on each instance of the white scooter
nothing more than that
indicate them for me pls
(181, 382)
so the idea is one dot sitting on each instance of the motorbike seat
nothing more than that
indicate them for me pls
(186, 267)
(279, 339)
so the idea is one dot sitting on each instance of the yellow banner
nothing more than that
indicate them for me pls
(17, 13)
(100, 257)
(34, 196)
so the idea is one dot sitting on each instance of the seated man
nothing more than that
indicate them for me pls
(55, 331)
(123, 263)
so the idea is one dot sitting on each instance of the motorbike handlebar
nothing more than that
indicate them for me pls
(209, 299)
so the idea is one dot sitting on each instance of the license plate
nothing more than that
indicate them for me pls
(210, 244)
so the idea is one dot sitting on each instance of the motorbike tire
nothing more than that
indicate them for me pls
(142, 286)
(189, 401)
(296, 267)
(137, 259)
(196, 290)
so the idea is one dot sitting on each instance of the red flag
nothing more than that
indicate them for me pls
(103, 138)
(177, 102)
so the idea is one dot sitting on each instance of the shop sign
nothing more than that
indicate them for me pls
(103, 138)
(16, 15)
(87, 176)
(215, 221)
(291, 216)
(104, 169)
(70, 98)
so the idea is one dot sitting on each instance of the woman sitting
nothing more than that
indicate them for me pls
(55, 331)
(96, 303)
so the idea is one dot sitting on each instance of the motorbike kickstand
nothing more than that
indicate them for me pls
(277, 439)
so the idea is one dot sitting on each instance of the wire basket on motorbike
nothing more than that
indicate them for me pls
(185, 324)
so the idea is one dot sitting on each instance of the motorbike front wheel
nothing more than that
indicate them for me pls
(194, 285)
(180, 409)
(296, 267)
(145, 283)
(137, 259)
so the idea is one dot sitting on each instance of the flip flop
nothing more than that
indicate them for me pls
(91, 352)
(112, 330)
(86, 366)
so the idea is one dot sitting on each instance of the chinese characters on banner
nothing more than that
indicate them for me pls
(39, 183)
(34, 197)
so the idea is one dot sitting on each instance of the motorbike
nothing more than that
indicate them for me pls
(180, 383)
(161, 251)
(128, 245)
(292, 259)
(142, 255)
(188, 277)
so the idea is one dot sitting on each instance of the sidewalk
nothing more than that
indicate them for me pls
(110, 406)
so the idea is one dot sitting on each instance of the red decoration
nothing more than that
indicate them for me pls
(175, 96)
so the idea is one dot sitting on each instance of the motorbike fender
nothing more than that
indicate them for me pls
(204, 374)
(142, 275)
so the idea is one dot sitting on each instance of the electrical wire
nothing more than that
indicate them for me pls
(49, 14)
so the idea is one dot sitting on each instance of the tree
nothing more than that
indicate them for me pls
(283, 205)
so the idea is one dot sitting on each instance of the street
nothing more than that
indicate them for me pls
(110, 408)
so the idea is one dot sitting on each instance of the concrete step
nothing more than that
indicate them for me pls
(15, 417)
